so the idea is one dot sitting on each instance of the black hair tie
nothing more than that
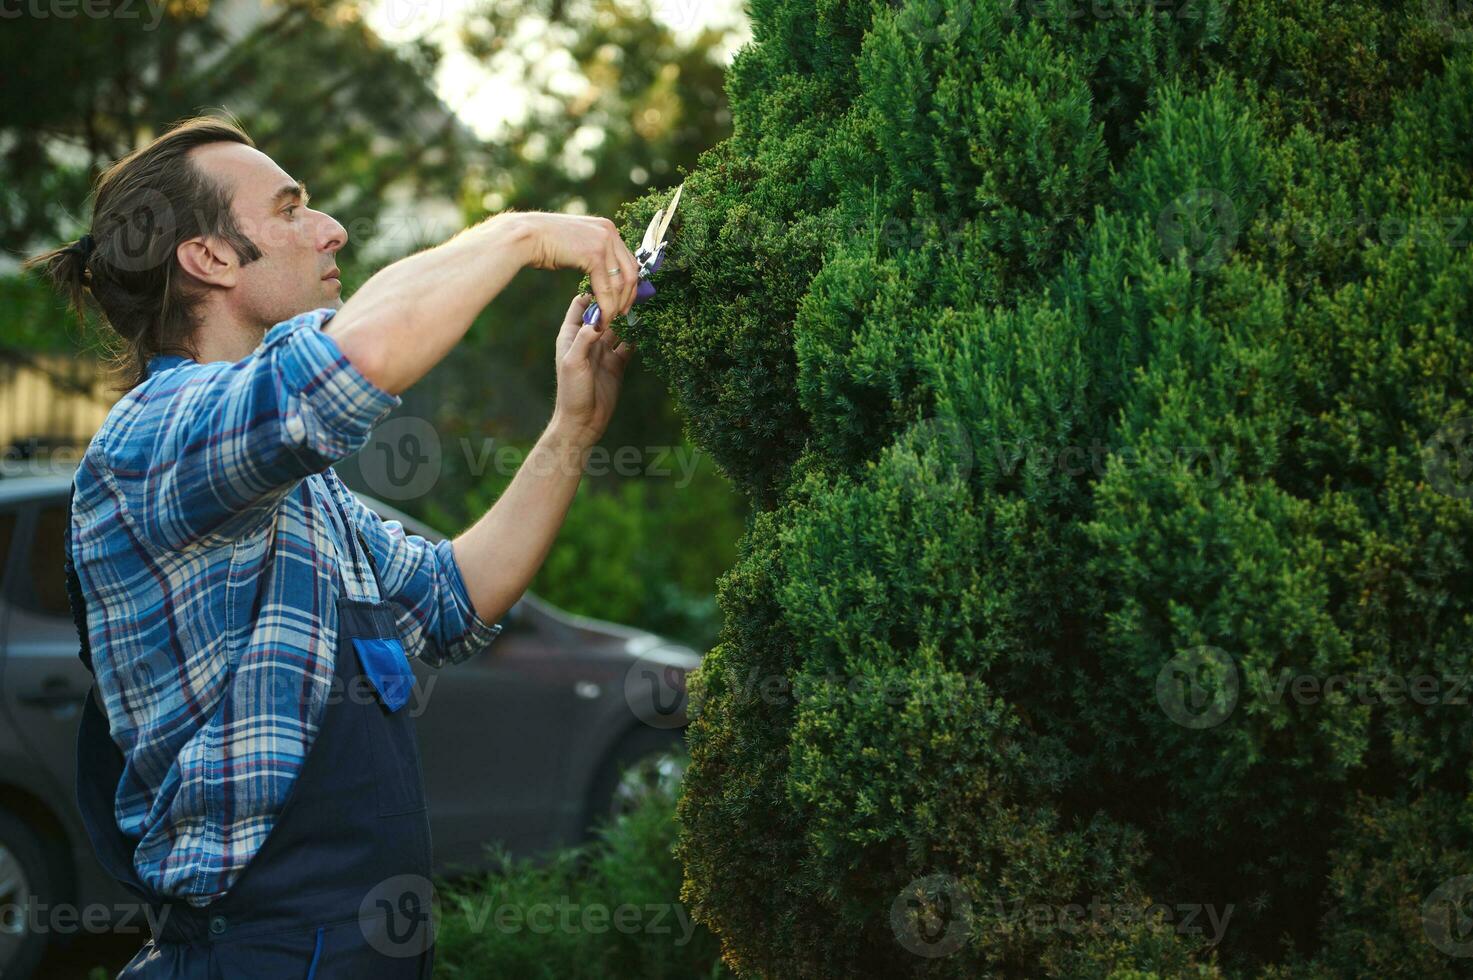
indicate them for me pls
(83, 247)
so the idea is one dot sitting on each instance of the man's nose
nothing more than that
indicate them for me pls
(333, 235)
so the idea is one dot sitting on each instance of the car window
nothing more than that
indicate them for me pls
(42, 588)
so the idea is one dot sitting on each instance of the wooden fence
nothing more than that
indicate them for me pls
(50, 405)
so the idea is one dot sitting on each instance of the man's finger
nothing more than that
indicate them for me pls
(631, 275)
(626, 280)
(574, 317)
(583, 342)
(576, 308)
(572, 321)
(607, 290)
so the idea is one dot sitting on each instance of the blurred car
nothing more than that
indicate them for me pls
(560, 725)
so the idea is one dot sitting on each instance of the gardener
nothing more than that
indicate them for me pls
(246, 765)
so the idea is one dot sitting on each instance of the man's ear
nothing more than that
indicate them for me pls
(209, 260)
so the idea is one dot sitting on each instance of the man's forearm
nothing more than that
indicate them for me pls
(500, 554)
(410, 314)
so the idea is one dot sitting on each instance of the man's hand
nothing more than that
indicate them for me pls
(571, 241)
(590, 372)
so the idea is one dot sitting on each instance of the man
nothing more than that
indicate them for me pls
(245, 765)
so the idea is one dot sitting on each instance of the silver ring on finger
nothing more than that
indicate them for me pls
(616, 272)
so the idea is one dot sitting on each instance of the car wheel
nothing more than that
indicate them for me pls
(643, 763)
(26, 877)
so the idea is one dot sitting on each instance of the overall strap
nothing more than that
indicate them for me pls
(333, 482)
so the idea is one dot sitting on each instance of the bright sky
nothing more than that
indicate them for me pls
(484, 101)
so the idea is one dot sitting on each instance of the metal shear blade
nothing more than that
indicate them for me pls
(647, 243)
(669, 214)
(654, 235)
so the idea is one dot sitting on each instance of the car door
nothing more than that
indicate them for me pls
(44, 681)
(493, 746)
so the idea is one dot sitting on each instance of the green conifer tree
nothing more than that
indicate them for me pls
(1101, 373)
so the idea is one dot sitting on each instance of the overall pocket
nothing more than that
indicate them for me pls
(388, 726)
(387, 666)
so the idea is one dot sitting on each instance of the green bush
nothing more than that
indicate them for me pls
(605, 911)
(1092, 368)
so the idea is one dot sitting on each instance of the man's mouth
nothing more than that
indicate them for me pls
(333, 273)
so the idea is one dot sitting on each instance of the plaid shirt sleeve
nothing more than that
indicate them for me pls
(424, 583)
(233, 438)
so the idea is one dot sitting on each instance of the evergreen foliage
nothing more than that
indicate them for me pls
(1094, 368)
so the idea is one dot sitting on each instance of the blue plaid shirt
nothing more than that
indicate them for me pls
(207, 546)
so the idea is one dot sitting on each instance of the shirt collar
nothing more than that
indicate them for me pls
(162, 362)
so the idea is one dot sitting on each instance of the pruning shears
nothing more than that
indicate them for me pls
(649, 255)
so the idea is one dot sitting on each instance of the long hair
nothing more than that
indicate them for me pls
(144, 206)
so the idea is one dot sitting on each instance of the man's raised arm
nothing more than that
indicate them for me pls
(411, 314)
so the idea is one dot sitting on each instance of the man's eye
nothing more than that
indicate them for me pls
(292, 208)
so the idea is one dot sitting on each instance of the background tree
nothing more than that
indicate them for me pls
(316, 89)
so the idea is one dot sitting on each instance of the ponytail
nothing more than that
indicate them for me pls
(125, 268)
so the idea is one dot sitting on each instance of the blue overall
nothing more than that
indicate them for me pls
(341, 885)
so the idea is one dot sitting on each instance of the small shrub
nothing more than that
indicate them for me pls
(609, 910)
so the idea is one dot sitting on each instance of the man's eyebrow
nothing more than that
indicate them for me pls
(297, 191)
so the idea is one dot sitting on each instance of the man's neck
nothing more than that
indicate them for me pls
(225, 338)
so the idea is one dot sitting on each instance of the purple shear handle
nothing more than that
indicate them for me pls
(650, 256)
(644, 291)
